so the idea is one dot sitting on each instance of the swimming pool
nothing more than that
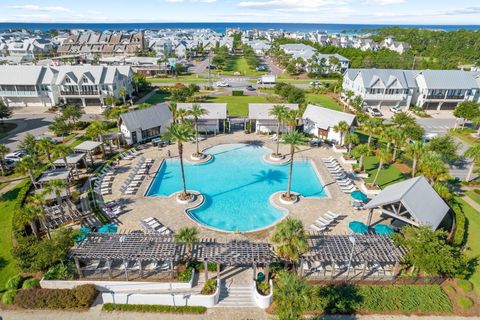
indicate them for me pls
(237, 185)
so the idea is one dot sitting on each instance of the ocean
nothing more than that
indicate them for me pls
(222, 26)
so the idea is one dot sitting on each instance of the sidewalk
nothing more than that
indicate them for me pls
(472, 203)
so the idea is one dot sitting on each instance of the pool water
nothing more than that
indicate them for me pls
(237, 185)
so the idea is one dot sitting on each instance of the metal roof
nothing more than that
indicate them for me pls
(418, 197)
(370, 77)
(88, 146)
(72, 159)
(215, 110)
(54, 174)
(261, 111)
(326, 118)
(448, 79)
(146, 118)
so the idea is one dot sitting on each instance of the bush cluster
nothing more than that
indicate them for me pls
(459, 236)
(237, 93)
(209, 287)
(290, 93)
(78, 297)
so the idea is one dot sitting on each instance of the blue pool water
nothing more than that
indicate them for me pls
(237, 185)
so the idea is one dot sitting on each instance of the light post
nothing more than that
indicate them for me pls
(122, 239)
(352, 240)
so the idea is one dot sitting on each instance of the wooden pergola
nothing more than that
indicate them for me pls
(58, 215)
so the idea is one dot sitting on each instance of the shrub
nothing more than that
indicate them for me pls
(449, 288)
(85, 295)
(153, 308)
(185, 275)
(59, 272)
(264, 287)
(14, 282)
(465, 285)
(465, 302)
(459, 236)
(31, 283)
(237, 93)
(9, 297)
(79, 297)
(209, 287)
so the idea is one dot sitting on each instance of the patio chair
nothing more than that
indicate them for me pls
(322, 222)
(333, 214)
(317, 228)
(349, 189)
(332, 164)
(329, 159)
(131, 191)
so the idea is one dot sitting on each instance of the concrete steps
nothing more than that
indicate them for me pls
(236, 297)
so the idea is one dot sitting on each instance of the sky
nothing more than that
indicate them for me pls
(294, 11)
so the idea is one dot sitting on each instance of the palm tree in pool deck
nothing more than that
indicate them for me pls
(172, 106)
(415, 150)
(62, 151)
(290, 239)
(196, 112)
(57, 186)
(383, 157)
(26, 166)
(3, 152)
(474, 153)
(342, 127)
(361, 151)
(188, 236)
(294, 139)
(278, 112)
(291, 118)
(46, 146)
(180, 133)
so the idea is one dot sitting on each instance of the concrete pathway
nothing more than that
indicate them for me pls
(472, 203)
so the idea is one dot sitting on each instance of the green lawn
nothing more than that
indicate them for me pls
(239, 64)
(324, 101)
(474, 196)
(158, 98)
(8, 267)
(465, 135)
(388, 175)
(473, 238)
(237, 106)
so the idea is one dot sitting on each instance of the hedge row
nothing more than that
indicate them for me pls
(80, 297)
(153, 308)
(459, 236)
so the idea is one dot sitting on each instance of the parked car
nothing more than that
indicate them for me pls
(41, 137)
(374, 112)
(211, 67)
(261, 68)
(222, 84)
(251, 88)
(179, 84)
(396, 109)
(16, 155)
(9, 164)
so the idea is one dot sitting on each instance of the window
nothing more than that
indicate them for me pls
(68, 80)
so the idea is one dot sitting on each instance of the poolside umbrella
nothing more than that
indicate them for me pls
(85, 231)
(383, 229)
(358, 195)
(358, 227)
(83, 234)
(108, 228)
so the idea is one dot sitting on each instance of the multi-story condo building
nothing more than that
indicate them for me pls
(429, 89)
(85, 85)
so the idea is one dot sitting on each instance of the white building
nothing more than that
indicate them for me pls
(264, 122)
(22, 86)
(213, 121)
(320, 121)
(309, 55)
(391, 44)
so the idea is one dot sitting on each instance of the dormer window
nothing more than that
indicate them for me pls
(84, 79)
(68, 80)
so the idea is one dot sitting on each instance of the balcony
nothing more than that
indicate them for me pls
(443, 97)
(79, 93)
(19, 93)
(385, 97)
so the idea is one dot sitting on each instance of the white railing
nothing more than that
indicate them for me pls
(262, 301)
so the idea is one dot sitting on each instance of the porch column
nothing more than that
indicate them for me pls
(83, 102)
(333, 269)
(267, 272)
(395, 270)
(205, 264)
(364, 269)
(91, 157)
(254, 270)
(172, 271)
(79, 270)
(140, 269)
(109, 265)
(125, 265)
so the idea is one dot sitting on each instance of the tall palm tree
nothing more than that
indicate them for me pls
(180, 133)
(372, 126)
(3, 152)
(38, 200)
(290, 239)
(172, 106)
(188, 236)
(433, 168)
(95, 131)
(57, 186)
(351, 139)
(361, 151)
(387, 134)
(294, 139)
(278, 112)
(182, 114)
(123, 93)
(28, 144)
(342, 127)
(196, 112)
(46, 146)
(62, 151)
(474, 153)
(398, 140)
(29, 214)
(415, 150)
(26, 166)
(291, 118)
(383, 157)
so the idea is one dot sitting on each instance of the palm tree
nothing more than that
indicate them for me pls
(172, 106)
(123, 93)
(62, 151)
(387, 134)
(476, 122)
(294, 139)
(180, 133)
(57, 186)
(28, 144)
(278, 112)
(291, 118)
(46, 146)
(351, 139)
(361, 151)
(349, 94)
(383, 157)
(26, 166)
(474, 153)
(3, 152)
(415, 150)
(182, 114)
(398, 140)
(433, 168)
(342, 127)
(95, 131)
(372, 126)
(38, 200)
(188, 236)
(290, 239)
(293, 295)
(196, 112)
(28, 214)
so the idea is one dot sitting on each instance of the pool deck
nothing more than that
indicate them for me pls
(172, 214)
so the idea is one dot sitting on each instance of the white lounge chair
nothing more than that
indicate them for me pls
(349, 189)
(317, 228)
(333, 214)
(329, 159)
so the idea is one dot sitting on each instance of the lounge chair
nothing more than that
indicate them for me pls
(349, 189)
(329, 159)
(332, 164)
(322, 222)
(333, 214)
(317, 228)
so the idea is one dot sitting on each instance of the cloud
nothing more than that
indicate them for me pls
(31, 7)
(292, 5)
(385, 2)
(173, 1)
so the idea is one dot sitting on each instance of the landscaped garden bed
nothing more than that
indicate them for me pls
(109, 307)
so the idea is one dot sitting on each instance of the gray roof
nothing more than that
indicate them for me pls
(72, 159)
(261, 111)
(418, 197)
(326, 118)
(215, 110)
(21, 75)
(54, 174)
(88, 146)
(449, 79)
(406, 78)
(146, 118)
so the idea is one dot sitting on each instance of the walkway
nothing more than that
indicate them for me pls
(472, 203)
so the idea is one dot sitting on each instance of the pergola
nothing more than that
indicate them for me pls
(89, 147)
(72, 161)
(58, 215)
(55, 174)
(337, 254)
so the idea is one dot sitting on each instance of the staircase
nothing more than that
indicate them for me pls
(239, 296)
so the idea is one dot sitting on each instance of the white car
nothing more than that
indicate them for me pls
(222, 84)
(16, 155)
(374, 112)
(396, 109)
